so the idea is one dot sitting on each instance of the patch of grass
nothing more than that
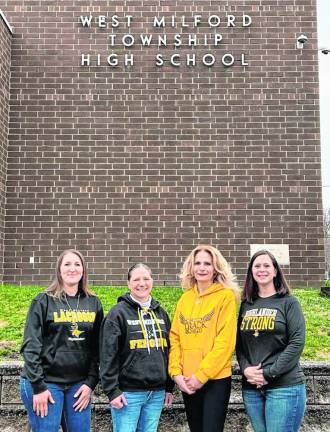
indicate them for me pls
(317, 314)
(15, 301)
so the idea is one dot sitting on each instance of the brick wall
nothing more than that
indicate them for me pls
(5, 51)
(142, 162)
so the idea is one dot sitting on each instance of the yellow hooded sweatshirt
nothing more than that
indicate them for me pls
(203, 334)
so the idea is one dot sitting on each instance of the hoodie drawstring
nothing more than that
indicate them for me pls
(155, 319)
(142, 313)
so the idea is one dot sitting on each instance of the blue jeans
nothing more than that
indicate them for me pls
(61, 411)
(276, 410)
(141, 413)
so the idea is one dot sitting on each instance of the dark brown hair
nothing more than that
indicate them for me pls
(251, 289)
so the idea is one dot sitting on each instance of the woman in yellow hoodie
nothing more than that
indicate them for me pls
(203, 337)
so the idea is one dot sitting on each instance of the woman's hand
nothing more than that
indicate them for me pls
(40, 403)
(254, 375)
(181, 383)
(119, 402)
(168, 400)
(84, 395)
(193, 383)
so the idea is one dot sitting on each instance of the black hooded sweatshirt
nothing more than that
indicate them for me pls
(134, 348)
(61, 341)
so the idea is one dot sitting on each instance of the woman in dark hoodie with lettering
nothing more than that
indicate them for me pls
(60, 350)
(134, 356)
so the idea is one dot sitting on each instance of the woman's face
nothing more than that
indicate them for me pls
(140, 284)
(71, 270)
(203, 268)
(263, 270)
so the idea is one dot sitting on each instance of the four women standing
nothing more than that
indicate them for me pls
(60, 348)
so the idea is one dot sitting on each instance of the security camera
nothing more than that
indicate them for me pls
(301, 40)
(325, 51)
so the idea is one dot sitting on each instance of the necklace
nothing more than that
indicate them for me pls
(70, 308)
(74, 324)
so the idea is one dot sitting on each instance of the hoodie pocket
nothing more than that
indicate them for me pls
(144, 371)
(129, 366)
(70, 365)
(191, 361)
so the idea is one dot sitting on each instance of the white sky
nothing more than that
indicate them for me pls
(324, 65)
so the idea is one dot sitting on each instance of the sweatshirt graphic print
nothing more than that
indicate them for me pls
(196, 325)
(259, 320)
(76, 319)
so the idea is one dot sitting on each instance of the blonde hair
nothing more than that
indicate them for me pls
(223, 273)
(56, 289)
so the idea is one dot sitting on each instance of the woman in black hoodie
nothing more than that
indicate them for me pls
(134, 356)
(60, 350)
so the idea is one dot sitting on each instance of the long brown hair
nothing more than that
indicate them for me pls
(251, 289)
(223, 273)
(56, 288)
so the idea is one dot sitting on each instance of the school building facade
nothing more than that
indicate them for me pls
(135, 130)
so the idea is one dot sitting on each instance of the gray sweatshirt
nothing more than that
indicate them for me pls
(271, 331)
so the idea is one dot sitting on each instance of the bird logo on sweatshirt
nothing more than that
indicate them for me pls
(75, 330)
(195, 325)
